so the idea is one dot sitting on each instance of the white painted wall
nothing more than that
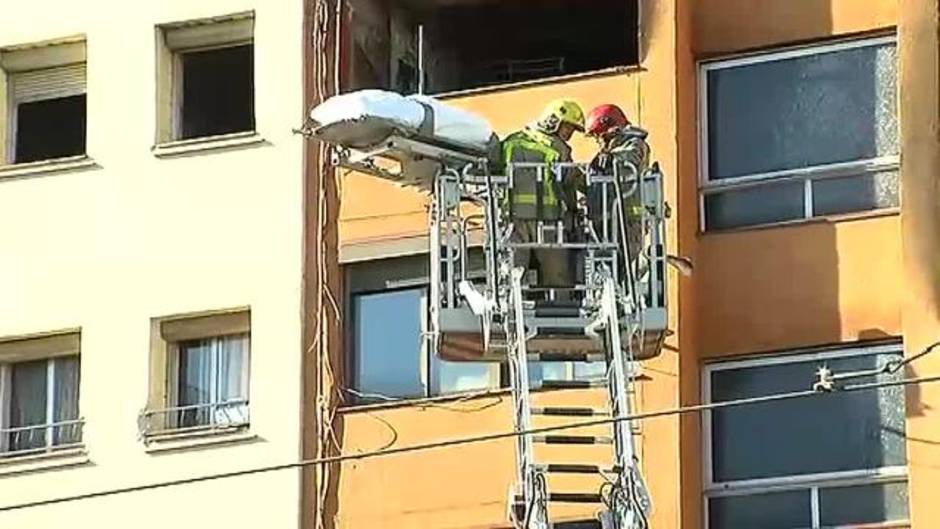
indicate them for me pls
(140, 237)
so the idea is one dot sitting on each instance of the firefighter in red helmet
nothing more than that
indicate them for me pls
(622, 144)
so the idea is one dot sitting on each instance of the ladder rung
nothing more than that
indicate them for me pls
(558, 312)
(567, 357)
(572, 439)
(561, 331)
(574, 497)
(554, 304)
(574, 384)
(569, 412)
(571, 468)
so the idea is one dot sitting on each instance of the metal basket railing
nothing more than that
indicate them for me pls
(223, 415)
(39, 438)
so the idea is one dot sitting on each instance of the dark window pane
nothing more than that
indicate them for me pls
(388, 343)
(803, 111)
(782, 510)
(886, 502)
(522, 43)
(65, 394)
(51, 128)
(195, 382)
(822, 433)
(856, 193)
(583, 524)
(774, 202)
(28, 404)
(218, 91)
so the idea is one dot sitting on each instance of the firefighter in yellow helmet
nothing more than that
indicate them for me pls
(544, 195)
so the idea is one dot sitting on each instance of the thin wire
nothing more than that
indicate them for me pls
(894, 367)
(425, 405)
(680, 410)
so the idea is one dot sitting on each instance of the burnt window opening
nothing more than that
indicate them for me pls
(49, 129)
(217, 92)
(478, 43)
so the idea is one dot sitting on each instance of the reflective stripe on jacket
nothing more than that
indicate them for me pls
(532, 198)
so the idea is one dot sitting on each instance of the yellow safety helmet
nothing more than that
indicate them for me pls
(561, 111)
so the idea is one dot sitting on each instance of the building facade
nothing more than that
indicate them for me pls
(152, 193)
(787, 131)
(187, 288)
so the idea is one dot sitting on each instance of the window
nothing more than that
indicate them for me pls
(217, 96)
(210, 381)
(799, 134)
(207, 78)
(523, 44)
(839, 458)
(46, 113)
(39, 383)
(200, 368)
(391, 360)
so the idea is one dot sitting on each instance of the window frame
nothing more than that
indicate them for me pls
(426, 360)
(407, 272)
(57, 53)
(46, 347)
(172, 41)
(176, 99)
(173, 380)
(811, 483)
(806, 175)
(156, 421)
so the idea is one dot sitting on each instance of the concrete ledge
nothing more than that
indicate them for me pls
(197, 439)
(67, 457)
(57, 165)
(236, 140)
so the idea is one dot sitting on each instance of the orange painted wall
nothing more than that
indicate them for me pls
(409, 490)
(806, 284)
(919, 46)
(448, 488)
(770, 289)
(727, 26)
(818, 283)
(468, 486)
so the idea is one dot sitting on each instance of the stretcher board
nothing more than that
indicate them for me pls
(403, 139)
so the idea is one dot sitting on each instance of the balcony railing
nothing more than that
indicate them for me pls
(226, 415)
(509, 71)
(40, 438)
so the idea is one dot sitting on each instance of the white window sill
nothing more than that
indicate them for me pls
(70, 163)
(36, 462)
(235, 140)
(821, 219)
(170, 441)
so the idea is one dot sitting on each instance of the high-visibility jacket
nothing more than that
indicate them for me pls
(531, 198)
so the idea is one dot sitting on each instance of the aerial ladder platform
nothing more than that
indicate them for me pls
(483, 308)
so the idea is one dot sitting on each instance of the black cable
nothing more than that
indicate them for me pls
(680, 410)
(894, 367)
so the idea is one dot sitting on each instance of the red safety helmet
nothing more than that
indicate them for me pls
(604, 119)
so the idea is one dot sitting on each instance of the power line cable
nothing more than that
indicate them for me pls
(680, 410)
